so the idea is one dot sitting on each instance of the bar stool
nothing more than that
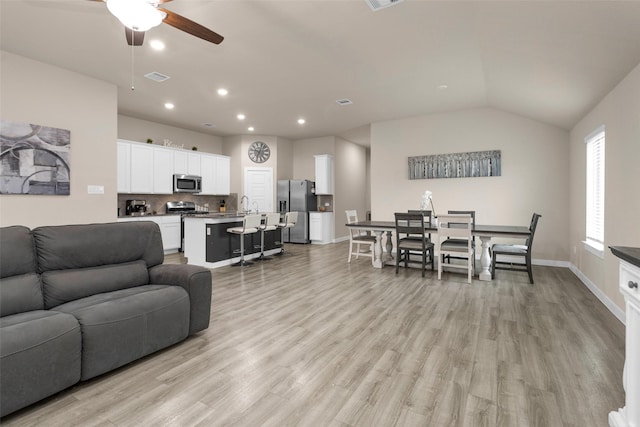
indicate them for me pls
(270, 223)
(290, 219)
(250, 224)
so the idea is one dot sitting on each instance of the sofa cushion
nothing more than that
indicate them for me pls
(20, 293)
(17, 251)
(39, 356)
(92, 245)
(61, 286)
(121, 326)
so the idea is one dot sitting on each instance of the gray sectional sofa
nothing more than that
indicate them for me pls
(77, 301)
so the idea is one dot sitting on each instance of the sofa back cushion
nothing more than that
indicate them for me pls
(20, 287)
(77, 261)
(62, 286)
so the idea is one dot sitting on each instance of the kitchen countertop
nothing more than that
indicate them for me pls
(629, 254)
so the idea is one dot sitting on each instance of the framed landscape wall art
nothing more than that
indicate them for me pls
(34, 159)
(456, 165)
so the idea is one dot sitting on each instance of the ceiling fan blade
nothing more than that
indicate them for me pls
(193, 28)
(134, 38)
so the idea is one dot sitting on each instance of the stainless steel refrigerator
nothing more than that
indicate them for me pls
(297, 195)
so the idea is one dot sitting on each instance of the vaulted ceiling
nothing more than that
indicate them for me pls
(551, 61)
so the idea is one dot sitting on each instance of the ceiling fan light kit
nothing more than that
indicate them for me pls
(138, 15)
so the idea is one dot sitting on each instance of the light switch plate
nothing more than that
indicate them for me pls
(95, 189)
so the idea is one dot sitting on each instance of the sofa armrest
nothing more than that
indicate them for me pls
(196, 281)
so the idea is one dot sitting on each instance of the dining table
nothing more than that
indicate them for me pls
(484, 232)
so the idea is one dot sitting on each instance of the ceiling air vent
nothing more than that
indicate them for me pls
(157, 77)
(381, 4)
(344, 102)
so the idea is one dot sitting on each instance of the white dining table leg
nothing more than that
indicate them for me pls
(485, 258)
(377, 249)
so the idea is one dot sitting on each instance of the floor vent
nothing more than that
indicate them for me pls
(381, 4)
(157, 77)
(344, 102)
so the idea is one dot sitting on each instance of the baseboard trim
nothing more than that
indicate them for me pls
(613, 308)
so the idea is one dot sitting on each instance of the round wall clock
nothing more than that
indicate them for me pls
(259, 152)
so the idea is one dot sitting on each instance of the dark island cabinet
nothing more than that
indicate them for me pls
(222, 245)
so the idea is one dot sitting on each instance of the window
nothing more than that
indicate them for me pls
(595, 191)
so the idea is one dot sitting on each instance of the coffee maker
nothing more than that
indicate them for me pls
(135, 207)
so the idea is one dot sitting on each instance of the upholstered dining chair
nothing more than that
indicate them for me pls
(250, 225)
(460, 242)
(521, 251)
(456, 227)
(411, 239)
(357, 238)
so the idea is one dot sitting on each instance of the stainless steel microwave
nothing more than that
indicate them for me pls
(187, 183)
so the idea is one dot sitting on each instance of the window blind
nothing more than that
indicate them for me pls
(595, 186)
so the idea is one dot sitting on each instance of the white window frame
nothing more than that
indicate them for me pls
(595, 191)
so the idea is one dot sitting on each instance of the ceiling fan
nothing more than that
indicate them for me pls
(138, 16)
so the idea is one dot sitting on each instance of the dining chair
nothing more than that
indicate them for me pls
(250, 225)
(411, 239)
(461, 242)
(358, 238)
(512, 251)
(270, 223)
(456, 227)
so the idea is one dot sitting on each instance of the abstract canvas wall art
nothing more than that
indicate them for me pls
(34, 159)
(456, 165)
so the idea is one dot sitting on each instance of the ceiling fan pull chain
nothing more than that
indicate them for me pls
(132, 70)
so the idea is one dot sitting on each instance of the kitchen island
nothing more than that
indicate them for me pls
(207, 243)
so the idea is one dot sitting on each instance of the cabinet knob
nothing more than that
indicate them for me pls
(632, 284)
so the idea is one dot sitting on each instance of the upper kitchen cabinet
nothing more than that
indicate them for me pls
(324, 174)
(216, 174)
(124, 167)
(186, 163)
(141, 169)
(149, 169)
(162, 170)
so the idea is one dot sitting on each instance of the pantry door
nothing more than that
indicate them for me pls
(258, 187)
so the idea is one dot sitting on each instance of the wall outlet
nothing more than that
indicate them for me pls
(95, 189)
(327, 204)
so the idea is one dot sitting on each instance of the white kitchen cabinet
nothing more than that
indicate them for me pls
(141, 169)
(124, 167)
(180, 162)
(216, 176)
(321, 227)
(169, 229)
(629, 416)
(193, 164)
(324, 174)
(162, 171)
(223, 175)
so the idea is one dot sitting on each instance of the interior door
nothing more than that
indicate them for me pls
(258, 187)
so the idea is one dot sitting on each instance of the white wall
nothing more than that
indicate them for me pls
(34, 92)
(535, 171)
(134, 129)
(619, 112)
(351, 183)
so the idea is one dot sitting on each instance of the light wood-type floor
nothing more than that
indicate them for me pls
(309, 340)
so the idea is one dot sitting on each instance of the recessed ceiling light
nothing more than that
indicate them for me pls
(169, 106)
(223, 92)
(156, 44)
(250, 129)
(301, 121)
(240, 116)
(442, 87)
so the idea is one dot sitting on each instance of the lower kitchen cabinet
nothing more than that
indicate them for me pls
(321, 227)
